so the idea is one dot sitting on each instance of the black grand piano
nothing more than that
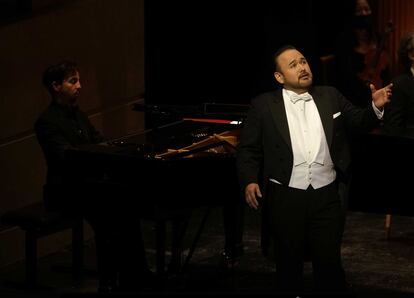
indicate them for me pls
(166, 171)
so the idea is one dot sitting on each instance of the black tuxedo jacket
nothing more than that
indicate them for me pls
(265, 149)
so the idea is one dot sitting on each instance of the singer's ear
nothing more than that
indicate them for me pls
(279, 77)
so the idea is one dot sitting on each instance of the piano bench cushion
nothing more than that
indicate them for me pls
(36, 217)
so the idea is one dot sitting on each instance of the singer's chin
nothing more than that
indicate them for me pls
(305, 83)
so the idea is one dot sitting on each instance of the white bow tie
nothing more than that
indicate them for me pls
(296, 97)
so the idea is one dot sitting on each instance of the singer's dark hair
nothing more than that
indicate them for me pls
(279, 52)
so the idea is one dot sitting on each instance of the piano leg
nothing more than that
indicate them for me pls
(233, 219)
(196, 238)
(179, 227)
(160, 246)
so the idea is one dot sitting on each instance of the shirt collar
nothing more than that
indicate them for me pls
(294, 97)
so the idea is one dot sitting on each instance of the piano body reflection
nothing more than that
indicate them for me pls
(168, 170)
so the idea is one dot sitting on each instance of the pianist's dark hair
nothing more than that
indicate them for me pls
(57, 73)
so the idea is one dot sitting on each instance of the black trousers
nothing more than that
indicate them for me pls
(299, 220)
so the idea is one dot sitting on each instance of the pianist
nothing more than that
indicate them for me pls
(63, 125)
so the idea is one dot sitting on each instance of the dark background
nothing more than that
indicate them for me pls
(221, 51)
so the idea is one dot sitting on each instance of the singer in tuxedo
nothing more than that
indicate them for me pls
(292, 155)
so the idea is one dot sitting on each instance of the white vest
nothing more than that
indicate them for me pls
(312, 163)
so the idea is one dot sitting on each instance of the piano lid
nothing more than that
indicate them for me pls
(210, 110)
(182, 138)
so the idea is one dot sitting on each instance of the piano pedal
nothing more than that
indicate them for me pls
(174, 267)
(229, 261)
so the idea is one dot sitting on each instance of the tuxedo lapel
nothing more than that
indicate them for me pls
(324, 105)
(278, 112)
(277, 109)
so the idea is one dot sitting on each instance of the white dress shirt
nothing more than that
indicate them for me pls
(312, 163)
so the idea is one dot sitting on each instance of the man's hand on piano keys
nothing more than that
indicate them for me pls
(252, 193)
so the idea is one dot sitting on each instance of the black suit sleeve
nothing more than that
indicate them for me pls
(249, 151)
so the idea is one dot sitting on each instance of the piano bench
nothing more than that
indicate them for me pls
(36, 222)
